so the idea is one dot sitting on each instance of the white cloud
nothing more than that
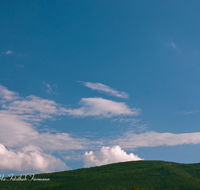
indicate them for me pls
(105, 89)
(15, 131)
(7, 95)
(27, 158)
(187, 112)
(130, 121)
(18, 117)
(175, 47)
(153, 139)
(49, 88)
(35, 108)
(108, 155)
(9, 52)
(20, 65)
(102, 107)
(32, 108)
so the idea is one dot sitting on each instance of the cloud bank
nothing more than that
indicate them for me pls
(20, 116)
(16, 131)
(29, 157)
(108, 155)
(105, 89)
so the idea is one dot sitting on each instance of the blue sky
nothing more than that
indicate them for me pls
(120, 79)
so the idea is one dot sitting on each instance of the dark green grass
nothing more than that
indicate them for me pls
(150, 175)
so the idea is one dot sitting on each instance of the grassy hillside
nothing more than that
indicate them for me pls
(121, 176)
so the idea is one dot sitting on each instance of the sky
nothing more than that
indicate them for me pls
(85, 83)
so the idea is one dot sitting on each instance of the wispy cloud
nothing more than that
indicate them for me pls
(131, 121)
(174, 46)
(20, 65)
(9, 52)
(103, 108)
(135, 124)
(108, 155)
(49, 88)
(182, 112)
(153, 139)
(105, 89)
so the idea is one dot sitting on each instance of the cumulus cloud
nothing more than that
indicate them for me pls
(108, 155)
(153, 139)
(105, 89)
(102, 107)
(29, 157)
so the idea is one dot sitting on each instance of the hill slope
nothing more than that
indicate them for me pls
(120, 176)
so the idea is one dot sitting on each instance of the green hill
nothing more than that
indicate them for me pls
(120, 176)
